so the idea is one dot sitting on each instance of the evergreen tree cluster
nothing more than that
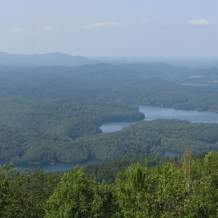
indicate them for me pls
(171, 189)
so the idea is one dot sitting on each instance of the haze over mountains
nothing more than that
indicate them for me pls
(54, 59)
(64, 59)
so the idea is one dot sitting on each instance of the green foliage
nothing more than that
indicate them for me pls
(162, 137)
(23, 195)
(78, 197)
(53, 114)
(141, 190)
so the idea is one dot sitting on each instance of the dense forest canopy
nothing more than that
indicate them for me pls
(125, 188)
(108, 109)
(53, 114)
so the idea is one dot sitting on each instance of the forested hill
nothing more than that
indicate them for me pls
(127, 83)
(172, 188)
(49, 59)
(53, 114)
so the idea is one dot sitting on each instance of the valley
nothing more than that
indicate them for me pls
(54, 115)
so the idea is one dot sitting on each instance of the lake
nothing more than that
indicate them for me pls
(154, 113)
(60, 167)
(151, 113)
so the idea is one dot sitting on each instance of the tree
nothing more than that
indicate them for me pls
(78, 197)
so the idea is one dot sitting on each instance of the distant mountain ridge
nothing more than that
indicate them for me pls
(47, 59)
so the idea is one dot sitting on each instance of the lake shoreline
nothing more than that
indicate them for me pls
(150, 113)
(160, 112)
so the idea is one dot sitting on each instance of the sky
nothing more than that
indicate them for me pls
(111, 28)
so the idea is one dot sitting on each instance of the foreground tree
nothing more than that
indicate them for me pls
(78, 197)
(142, 192)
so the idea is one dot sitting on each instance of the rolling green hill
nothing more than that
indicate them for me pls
(53, 114)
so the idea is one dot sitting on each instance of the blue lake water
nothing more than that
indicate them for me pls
(114, 127)
(151, 113)
(154, 113)
(59, 167)
(48, 168)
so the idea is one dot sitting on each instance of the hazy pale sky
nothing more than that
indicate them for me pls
(134, 28)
